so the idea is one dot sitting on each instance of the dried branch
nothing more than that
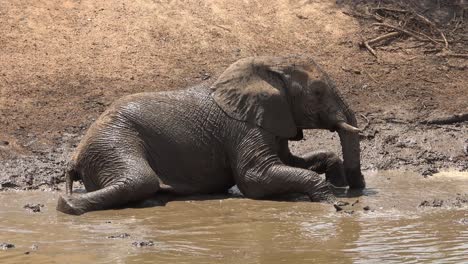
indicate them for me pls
(423, 18)
(383, 37)
(401, 30)
(456, 55)
(447, 120)
(369, 48)
(389, 9)
(367, 122)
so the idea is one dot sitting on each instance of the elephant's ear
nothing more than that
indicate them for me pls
(254, 93)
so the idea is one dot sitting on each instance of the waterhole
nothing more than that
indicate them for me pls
(400, 217)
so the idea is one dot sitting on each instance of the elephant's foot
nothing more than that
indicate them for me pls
(322, 193)
(336, 176)
(70, 205)
(355, 179)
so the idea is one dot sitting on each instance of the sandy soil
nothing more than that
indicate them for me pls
(63, 62)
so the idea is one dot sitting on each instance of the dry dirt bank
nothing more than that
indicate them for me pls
(63, 62)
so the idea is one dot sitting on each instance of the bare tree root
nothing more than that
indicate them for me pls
(367, 44)
(407, 32)
(423, 18)
(383, 37)
(458, 118)
(455, 55)
(406, 21)
(369, 48)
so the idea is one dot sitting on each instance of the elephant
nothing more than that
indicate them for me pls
(208, 138)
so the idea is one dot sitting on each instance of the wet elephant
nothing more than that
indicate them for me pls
(204, 140)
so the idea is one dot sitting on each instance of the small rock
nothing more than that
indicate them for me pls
(437, 203)
(434, 203)
(123, 235)
(8, 184)
(341, 203)
(301, 16)
(35, 208)
(350, 212)
(429, 171)
(143, 243)
(4, 143)
(205, 76)
(5, 246)
(34, 247)
(366, 208)
(424, 203)
(444, 68)
(337, 207)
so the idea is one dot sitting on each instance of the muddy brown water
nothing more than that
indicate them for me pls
(234, 230)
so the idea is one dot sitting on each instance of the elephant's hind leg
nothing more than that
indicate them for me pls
(134, 185)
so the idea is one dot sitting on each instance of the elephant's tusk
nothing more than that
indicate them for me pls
(347, 127)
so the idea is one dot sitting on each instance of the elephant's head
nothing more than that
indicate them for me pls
(284, 95)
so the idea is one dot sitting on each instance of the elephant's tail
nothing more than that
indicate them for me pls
(71, 175)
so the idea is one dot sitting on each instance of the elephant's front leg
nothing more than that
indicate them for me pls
(260, 173)
(322, 162)
(280, 179)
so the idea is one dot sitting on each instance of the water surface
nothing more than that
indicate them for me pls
(235, 230)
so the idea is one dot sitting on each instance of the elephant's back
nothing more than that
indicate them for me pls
(179, 133)
(183, 140)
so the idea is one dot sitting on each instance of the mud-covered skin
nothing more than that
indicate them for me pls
(184, 143)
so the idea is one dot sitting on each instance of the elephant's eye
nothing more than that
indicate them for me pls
(318, 88)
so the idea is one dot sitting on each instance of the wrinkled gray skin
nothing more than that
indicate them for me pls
(206, 139)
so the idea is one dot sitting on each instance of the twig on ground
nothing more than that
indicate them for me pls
(416, 46)
(457, 118)
(447, 128)
(370, 76)
(435, 27)
(369, 48)
(367, 122)
(445, 39)
(383, 37)
(457, 25)
(355, 71)
(359, 15)
(427, 80)
(367, 44)
(389, 9)
(223, 27)
(423, 18)
(397, 29)
(457, 55)
(394, 120)
(412, 34)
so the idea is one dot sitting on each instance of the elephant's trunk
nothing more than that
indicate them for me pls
(351, 151)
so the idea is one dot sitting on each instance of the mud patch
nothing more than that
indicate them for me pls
(457, 202)
(119, 236)
(148, 243)
(5, 246)
(35, 208)
(41, 168)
